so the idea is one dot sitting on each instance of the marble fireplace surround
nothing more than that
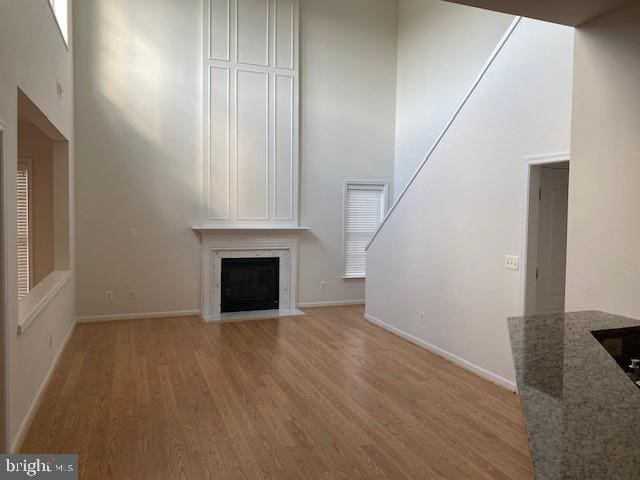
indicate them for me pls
(214, 249)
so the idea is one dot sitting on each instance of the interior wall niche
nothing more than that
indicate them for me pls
(251, 112)
(42, 196)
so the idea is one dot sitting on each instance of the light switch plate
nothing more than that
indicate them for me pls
(511, 262)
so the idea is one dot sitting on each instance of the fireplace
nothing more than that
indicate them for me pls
(250, 284)
(220, 247)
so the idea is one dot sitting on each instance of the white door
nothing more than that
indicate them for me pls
(552, 239)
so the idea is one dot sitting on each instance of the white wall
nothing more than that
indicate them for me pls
(139, 110)
(565, 12)
(138, 72)
(347, 130)
(32, 57)
(442, 250)
(441, 48)
(603, 265)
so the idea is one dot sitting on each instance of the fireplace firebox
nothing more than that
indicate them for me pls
(250, 284)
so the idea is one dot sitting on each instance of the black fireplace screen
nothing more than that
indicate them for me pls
(250, 284)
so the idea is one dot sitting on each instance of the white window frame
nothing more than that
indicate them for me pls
(59, 9)
(382, 185)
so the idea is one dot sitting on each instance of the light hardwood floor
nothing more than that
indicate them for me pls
(324, 396)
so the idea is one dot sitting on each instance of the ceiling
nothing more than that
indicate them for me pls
(566, 12)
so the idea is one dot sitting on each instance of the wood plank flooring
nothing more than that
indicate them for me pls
(324, 396)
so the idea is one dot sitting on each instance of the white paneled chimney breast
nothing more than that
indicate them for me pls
(251, 112)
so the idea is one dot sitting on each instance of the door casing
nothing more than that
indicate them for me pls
(528, 274)
(4, 347)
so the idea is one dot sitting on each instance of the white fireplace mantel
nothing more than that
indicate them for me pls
(248, 228)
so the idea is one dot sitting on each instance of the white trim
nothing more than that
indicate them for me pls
(475, 84)
(547, 158)
(335, 303)
(275, 146)
(236, 116)
(461, 362)
(26, 422)
(291, 39)
(4, 283)
(217, 228)
(41, 295)
(237, 37)
(209, 124)
(210, 32)
(272, 73)
(137, 316)
(385, 198)
(532, 161)
(205, 197)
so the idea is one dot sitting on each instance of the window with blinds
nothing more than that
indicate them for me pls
(365, 205)
(24, 230)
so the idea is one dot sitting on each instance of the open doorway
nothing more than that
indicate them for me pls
(546, 252)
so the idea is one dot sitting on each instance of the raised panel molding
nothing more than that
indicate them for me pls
(283, 147)
(219, 171)
(284, 30)
(220, 31)
(252, 145)
(251, 112)
(252, 32)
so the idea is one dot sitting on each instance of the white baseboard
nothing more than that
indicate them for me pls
(338, 303)
(26, 422)
(190, 313)
(137, 316)
(482, 372)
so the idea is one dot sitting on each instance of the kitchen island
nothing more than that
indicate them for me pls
(582, 411)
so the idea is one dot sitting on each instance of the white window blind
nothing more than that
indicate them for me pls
(24, 274)
(364, 209)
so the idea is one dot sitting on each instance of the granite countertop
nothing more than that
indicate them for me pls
(581, 410)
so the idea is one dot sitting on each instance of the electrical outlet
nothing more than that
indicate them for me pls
(132, 294)
(108, 295)
(59, 89)
(133, 233)
(421, 317)
(50, 340)
(323, 285)
(511, 262)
